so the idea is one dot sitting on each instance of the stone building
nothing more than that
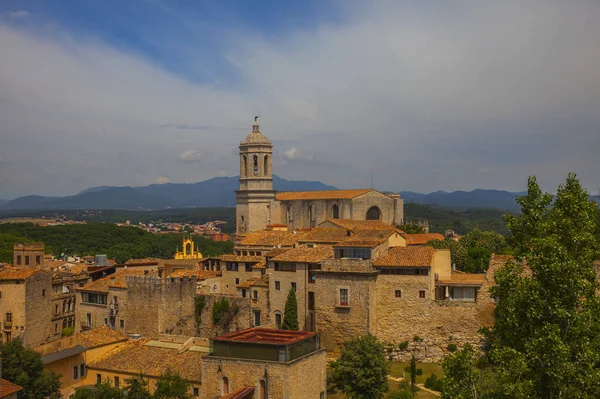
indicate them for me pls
(261, 363)
(29, 255)
(26, 305)
(258, 205)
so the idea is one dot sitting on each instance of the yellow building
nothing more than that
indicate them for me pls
(188, 251)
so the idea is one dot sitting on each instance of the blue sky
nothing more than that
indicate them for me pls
(429, 95)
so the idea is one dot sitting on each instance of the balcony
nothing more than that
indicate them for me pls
(7, 325)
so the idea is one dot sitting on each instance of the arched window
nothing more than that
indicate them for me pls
(374, 213)
(289, 215)
(335, 210)
(262, 391)
(244, 166)
(188, 249)
(311, 216)
(266, 166)
(255, 163)
(224, 386)
(64, 306)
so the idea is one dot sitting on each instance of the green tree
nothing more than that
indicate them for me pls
(411, 228)
(458, 253)
(24, 367)
(171, 385)
(477, 260)
(545, 342)
(290, 312)
(461, 379)
(137, 388)
(104, 390)
(361, 370)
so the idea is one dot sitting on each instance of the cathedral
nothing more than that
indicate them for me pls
(258, 205)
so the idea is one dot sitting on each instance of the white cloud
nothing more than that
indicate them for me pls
(508, 87)
(162, 180)
(18, 14)
(222, 173)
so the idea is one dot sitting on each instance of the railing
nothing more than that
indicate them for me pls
(7, 325)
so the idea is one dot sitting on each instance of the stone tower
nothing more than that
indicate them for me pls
(256, 195)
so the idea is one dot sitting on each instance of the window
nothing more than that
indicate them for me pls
(98, 379)
(421, 293)
(343, 296)
(64, 323)
(231, 266)
(352, 253)
(122, 323)
(266, 166)
(75, 371)
(7, 337)
(244, 293)
(82, 369)
(90, 297)
(256, 317)
(255, 294)
(116, 381)
(243, 166)
(374, 213)
(278, 320)
(311, 218)
(398, 294)
(293, 286)
(224, 386)
(105, 321)
(277, 286)
(55, 328)
(285, 267)
(37, 260)
(237, 281)
(196, 392)
(255, 163)
(9, 317)
(56, 309)
(26, 260)
(44, 292)
(88, 318)
(322, 396)
(18, 260)
(335, 211)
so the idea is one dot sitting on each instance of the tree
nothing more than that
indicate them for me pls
(172, 386)
(361, 370)
(24, 367)
(458, 253)
(477, 260)
(290, 312)
(103, 390)
(137, 388)
(411, 228)
(545, 342)
(460, 376)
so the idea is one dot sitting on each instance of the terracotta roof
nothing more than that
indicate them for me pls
(320, 195)
(262, 282)
(270, 238)
(200, 274)
(406, 257)
(242, 393)
(89, 339)
(7, 388)
(261, 265)
(323, 235)
(18, 274)
(420, 239)
(362, 224)
(276, 251)
(248, 283)
(458, 278)
(135, 357)
(146, 261)
(267, 336)
(305, 254)
(115, 280)
(56, 263)
(366, 238)
(240, 258)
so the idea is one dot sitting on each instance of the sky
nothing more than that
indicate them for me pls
(420, 95)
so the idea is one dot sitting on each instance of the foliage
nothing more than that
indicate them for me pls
(460, 377)
(67, 331)
(452, 347)
(24, 367)
(458, 253)
(199, 303)
(223, 312)
(411, 228)
(433, 382)
(403, 346)
(361, 370)
(404, 391)
(290, 312)
(172, 386)
(137, 388)
(118, 242)
(412, 369)
(477, 260)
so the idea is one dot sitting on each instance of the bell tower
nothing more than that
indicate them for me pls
(256, 195)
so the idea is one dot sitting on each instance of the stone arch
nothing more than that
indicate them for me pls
(244, 166)
(255, 164)
(262, 389)
(266, 165)
(224, 385)
(374, 213)
(335, 211)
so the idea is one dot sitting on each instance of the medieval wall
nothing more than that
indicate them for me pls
(362, 203)
(38, 310)
(242, 318)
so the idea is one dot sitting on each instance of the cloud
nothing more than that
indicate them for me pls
(162, 180)
(222, 173)
(18, 14)
(477, 94)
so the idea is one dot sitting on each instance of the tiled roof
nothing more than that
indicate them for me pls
(366, 238)
(262, 282)
(420, 239)
(18, 274)
(270, 238)
(267, 336)
(89, 339)
(305, 254)
(248, 283)
(242, 393)
(135, 357)
(115, 280)
(240, 258)
(406, 257)
(323, 235)
(362, 224)
(458, 278)
(7, 388)
(200, 274)
(276, 251)
(142, 261)
(261, 265)
(320, 195)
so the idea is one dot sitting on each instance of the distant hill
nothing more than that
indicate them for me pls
(490, 199)
(215, 192)
(3, 201)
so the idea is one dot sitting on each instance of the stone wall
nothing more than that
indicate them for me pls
(303, 378)
(285, 279)
(243, 318)
(38, 310)
(362, 203)
(13, 301)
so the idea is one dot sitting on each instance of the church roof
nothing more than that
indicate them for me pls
(256, 137)
(320, 195)
(361, 224)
